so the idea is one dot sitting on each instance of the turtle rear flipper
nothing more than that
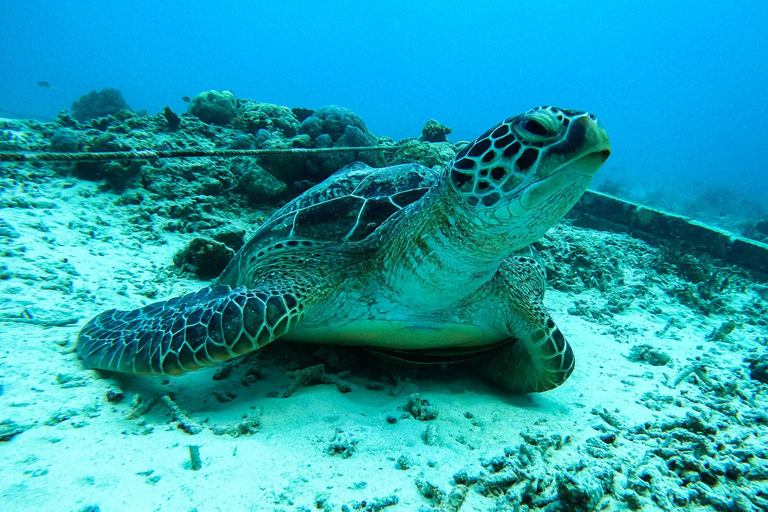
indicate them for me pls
(199, 329)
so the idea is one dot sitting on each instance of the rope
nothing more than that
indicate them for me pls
(41, 156)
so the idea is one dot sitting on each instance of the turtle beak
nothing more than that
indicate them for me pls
(588, 164)
(589, 134)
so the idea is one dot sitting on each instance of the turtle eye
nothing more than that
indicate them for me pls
(535, 127)
(538, 126)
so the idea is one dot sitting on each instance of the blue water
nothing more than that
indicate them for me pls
(681, 86)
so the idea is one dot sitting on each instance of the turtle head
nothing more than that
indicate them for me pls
(525, 173)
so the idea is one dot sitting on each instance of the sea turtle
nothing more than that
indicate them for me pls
(403, 259)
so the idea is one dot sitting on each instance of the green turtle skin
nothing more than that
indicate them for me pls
(404, 259)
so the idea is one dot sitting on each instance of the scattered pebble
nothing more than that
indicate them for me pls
(115, 396)
(183, 422)
(373, 505)
(721, 333)
(343, 443)
(430, 435)
(316, 375)
(9, 429)
(420, 409)
(404, 462)
(195, 463)
(648, 354)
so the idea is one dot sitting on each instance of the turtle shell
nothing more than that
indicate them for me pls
(345, 208)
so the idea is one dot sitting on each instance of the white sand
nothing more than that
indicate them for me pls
(78, 450)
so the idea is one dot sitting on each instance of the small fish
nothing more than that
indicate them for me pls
(185, 99)
(44, 85)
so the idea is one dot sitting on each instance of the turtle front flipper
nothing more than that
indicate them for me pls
(533, 363)
(185, 333)
(537, 357)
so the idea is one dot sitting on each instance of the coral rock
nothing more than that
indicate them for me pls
(434, 132)
(99, 104)
(214, 107)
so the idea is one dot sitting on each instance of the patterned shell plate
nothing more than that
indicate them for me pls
(349, 205)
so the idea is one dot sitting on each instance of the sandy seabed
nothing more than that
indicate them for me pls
(624, 433)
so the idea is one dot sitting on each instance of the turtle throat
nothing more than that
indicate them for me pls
(439, 258)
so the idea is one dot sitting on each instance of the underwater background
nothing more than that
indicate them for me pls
(680, 85)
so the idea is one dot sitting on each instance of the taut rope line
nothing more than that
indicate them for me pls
(43, 156)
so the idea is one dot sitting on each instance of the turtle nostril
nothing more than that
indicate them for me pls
(535, 127)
